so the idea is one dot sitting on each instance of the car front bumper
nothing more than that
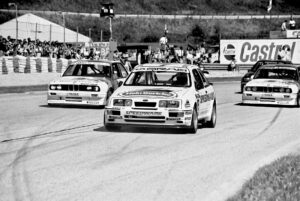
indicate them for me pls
(269, 98)
(76, 98)
(152, 118)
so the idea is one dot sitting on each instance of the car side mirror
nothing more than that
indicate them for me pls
(120, 83)
(198, 86)
(205, 72)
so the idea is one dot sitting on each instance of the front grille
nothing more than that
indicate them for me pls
(75, 87)
(268, 89)
(145, 104)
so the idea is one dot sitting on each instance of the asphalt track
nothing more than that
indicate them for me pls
(64, 153)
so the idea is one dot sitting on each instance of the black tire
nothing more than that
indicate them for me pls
(194, 123)
(213, 118)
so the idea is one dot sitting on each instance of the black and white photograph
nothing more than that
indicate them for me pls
(149, 100)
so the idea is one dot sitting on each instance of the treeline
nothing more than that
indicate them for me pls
(162, 6)
(128, 30)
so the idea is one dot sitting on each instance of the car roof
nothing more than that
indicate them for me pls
(167, 65)
(97, 61)
(279, 66)
(274, 61)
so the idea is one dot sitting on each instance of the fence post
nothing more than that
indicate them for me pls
(50, 65)
(38, 65)
(4, 67)
(58, 65)
(27, 68)
(16, 64)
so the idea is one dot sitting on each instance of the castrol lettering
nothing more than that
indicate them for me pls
(251, 53)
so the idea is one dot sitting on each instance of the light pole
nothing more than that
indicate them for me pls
(15, 5)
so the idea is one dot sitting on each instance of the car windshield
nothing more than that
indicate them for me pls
(277, 73)
(97, 70)
(159, 78)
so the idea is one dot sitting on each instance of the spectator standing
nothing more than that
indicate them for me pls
(233, 66)
(163, 41)
(283, 25)
(292, 23)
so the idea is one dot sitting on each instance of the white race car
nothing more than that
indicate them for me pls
(87, 83)
(274, 84)
(163, 95)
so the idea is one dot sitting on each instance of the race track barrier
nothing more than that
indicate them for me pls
(20, 64)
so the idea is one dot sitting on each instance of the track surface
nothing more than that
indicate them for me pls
(64, 153)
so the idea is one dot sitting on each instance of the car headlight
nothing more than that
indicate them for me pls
(169, 104)
(288, 90)
(96, 88)
(254, 88)
(58, 87)
(246, 79)
(248, 89)
(122, 102)
(89, 88)
(52, 87)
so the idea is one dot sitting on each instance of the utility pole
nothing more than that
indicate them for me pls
(16, 7)
(90, 33)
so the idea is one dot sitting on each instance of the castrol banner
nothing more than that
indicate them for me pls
(250, 51)
(293, 33)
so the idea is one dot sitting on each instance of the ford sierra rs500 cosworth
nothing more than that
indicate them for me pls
(163, 95)
(87, 83)
(274, 85)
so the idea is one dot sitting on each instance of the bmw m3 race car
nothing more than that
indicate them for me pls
(247, 77)
(163, 95)
(275, 85)
(87, 83)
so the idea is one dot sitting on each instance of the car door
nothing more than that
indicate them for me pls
(208, 97)
(199, 93)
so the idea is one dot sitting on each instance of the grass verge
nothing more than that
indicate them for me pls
(278, 181)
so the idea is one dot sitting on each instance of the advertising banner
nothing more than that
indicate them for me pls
(250, 51)
(293, 33)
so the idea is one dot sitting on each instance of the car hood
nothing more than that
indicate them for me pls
(80, 80)
(150, 92)
(272, 82)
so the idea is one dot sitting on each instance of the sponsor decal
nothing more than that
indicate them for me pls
(229, 52)
(138, 113)
(206, 97)
(158, 93)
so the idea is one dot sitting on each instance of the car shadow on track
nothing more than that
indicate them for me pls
(270, 106)
(73, 106)
(147, 130)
